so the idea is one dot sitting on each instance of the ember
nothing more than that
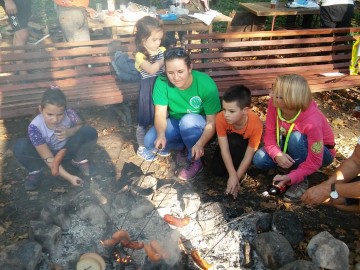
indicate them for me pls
(120, 260)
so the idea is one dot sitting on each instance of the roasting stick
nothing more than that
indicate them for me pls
(222, 225)
(153, 212)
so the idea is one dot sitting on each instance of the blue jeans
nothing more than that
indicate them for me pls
(179, 133)
(297, 149)
(76, 147)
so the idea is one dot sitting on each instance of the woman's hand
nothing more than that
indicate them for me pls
(281, 180)
(284, 160)
(160, 142)
(197, 151)
(233, 186)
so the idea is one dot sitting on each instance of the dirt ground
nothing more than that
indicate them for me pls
(115, 159)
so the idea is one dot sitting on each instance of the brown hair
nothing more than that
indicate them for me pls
(143, 29)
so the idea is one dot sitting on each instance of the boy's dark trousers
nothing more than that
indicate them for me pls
(27, 155)
(237, 146)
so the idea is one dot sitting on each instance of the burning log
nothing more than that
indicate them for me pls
(177, 222)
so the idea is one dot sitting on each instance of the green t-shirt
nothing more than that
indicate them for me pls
(202, 97)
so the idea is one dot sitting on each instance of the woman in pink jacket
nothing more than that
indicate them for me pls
(298, 137)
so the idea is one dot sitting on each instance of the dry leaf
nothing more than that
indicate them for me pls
(340, 231)
(2, 230)
(338, 122)
(23, 236)
(59, 190)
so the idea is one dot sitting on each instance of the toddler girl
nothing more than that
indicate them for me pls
(298, 137)
(149, 60)
(54, 129)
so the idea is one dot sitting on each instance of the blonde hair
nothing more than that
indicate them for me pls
(293, 90)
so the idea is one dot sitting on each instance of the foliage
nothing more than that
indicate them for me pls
(44, 11)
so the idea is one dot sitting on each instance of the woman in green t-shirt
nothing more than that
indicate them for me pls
(186, 102)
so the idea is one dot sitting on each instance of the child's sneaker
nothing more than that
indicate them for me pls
(83, 166)
(191, 170)
(161, 153)
(294, 193)
(146, 154)
(32, 181)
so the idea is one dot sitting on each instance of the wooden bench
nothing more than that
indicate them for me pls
(82, 70)
(255, 59)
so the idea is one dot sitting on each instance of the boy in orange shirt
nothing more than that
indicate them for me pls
(239, 133)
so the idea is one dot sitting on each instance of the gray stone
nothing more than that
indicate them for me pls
(300, 265)
(57, 217)
(191, 204)
(274, 249)
(22, 255)
(47, 235)
(165, 196)
(208, 216)
(253, 223)
(94, 214)
(141, 209)
(328, 252)
(288, 224)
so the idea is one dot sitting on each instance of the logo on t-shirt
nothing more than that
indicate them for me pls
(195, 102)
(317, 147)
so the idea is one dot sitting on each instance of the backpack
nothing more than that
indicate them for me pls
(125, 68)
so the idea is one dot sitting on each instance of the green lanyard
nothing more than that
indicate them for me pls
(291, 121)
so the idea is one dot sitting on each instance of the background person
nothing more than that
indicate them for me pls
(149, 61)
(54, 128)
(298, 137)
(72, 17)
(336, 13)
(191, 99)
(19, 12)
(239, 133)
(342, 189)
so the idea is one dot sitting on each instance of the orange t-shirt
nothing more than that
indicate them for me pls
(72, 3)
(252, 130)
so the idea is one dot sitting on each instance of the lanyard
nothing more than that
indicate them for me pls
(291, 121)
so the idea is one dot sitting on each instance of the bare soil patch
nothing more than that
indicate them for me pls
(116, 150)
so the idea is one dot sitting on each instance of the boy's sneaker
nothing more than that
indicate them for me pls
(294, 193)
(146, 154)
(161, 153)
(32, 181)
(191, 170)
(83, 166)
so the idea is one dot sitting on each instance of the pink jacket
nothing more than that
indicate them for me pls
(311, 123)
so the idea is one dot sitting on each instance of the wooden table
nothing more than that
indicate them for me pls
(263, 9)
(183, 23)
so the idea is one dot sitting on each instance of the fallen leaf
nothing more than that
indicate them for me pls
(338, 122)
(59, 190)
(23, 236)
(340, 231)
